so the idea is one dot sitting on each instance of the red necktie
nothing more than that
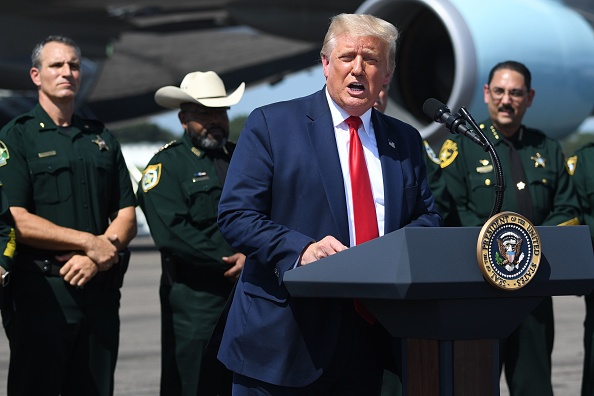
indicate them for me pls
(365, 219)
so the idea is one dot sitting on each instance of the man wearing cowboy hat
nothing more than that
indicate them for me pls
(179, 194)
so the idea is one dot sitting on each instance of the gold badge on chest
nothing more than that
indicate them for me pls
(539, 161)
(101, 143)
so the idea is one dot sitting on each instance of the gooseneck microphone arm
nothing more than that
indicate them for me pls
(456, 124)
(497, 168)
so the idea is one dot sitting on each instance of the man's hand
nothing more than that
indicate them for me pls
(78, 269)
(103, 251)
(237, 260)
(324, 248)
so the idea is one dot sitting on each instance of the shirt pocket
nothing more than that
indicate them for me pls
(543, 187)
(51, 179)
(482, 194)
(103, 165)
(203, 196)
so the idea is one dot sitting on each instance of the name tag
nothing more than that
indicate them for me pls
(46, 154)
(484, 169)
(199, 176)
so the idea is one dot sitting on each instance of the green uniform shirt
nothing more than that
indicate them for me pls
(470, 178)
(437, 185)
(75, 177)
(581, 166)
(179, 194)
(7, 235)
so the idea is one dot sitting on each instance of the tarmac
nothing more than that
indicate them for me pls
(138, 369)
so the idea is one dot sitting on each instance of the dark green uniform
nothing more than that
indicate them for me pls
(7, 244)
(437, 185)
(469, 174)
(179, 194)
(63, 339)
(581, 165)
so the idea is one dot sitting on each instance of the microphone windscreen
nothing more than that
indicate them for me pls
(431, 108)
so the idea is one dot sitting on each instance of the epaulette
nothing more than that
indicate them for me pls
(19, 120)
(22, 118)
(170, 144)
(589, 144)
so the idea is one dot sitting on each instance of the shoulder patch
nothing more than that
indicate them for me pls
(4, 155)
(448, 153)
(431, 153)
(571, 164)
(151, 177)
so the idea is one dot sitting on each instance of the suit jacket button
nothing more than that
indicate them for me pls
(276, 272)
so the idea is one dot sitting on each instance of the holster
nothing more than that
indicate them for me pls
(5, 294)
(195, 276)
(169, 269)
(115, 276)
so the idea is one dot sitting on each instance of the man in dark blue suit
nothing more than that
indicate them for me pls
(288, 201)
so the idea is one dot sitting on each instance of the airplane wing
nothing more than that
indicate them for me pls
(134, 47)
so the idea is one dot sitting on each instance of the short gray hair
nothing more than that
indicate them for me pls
(361, 25)
(36, 54)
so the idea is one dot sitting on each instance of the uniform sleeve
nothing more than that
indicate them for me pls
(14, 170)
(442, 198)
(7, 234)
(123, 185)
(455, 174)
(565, 209)
(583, 180)
(179, 225)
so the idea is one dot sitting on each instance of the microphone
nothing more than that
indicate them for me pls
(454, 123)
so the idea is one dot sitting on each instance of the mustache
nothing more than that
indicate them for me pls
(506, 108)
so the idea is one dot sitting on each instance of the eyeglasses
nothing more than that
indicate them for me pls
(515, 94)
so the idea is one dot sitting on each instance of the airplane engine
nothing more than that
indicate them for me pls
(447, 48)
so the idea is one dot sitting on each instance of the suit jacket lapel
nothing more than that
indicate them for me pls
(390, 158)
(323, 144)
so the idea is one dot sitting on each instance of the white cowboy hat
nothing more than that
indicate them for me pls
(205, 88)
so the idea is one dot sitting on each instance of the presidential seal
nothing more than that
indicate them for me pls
(508, 251)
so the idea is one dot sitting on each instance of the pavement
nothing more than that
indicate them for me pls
(138, 369)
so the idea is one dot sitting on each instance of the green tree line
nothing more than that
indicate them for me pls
(150, 132)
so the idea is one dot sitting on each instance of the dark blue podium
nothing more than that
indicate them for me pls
(424, 286)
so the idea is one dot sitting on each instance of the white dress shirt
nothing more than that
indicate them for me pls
(367, 136)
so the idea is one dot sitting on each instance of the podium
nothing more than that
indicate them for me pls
(424, 286)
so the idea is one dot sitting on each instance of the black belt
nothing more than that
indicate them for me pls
(48, 267)
(51, 267)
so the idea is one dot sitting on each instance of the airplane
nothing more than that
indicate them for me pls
(446, 48)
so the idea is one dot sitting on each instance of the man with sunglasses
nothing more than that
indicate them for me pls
(538, 187)
(179, 194)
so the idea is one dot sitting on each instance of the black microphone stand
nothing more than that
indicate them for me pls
(497, 168)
